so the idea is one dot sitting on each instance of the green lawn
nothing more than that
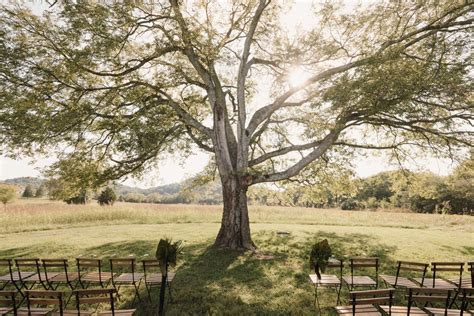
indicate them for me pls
(225, 282)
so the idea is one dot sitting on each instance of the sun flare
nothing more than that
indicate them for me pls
(298, 76)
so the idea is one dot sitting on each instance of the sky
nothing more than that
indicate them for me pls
(173, 170)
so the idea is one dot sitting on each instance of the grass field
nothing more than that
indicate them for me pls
(214, 282)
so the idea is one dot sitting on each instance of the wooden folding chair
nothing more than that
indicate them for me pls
(440, 283)
(468, 281)
(328, 281)
(8, 303)
(56, 273)
(12, 277)
(421, 297)
(410, 309)
(365, 303)
(398, 281)
(42, 298)
(27, 279)
(120, 278)
(98, 296)
(153, 278)
(357, 263)
(89, 271)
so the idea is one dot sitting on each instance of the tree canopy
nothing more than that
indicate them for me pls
(8, 193)
(120, 85)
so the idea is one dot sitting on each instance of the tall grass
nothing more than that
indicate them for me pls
(45, 215)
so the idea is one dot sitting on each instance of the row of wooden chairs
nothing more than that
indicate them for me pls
(421, 301)
(51, 302)
(404, 277)
(26, 273)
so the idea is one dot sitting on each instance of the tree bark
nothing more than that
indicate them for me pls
(235, 226)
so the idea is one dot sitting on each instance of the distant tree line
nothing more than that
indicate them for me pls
(417, 191)
(420, 192)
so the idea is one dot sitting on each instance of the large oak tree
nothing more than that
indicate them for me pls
(114, 88)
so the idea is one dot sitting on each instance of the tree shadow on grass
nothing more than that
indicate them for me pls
(215, 282)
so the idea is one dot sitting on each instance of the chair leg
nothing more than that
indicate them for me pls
(148, 291)
(169, 291)
(316, 297)
(68, 299)
(137, 294)
(339, 294)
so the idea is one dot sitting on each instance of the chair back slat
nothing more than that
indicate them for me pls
(94, 300)
(88, 263)
(55, 263)
(6, 262)
(150, 263)
(44, 293)
(412, 269)
(27, 262)
(88, 292)
(373, 300)
(45, 301)
(123, 262)
(368, 262)
(5, 301)
(412, 263)
(448, 269)
(429, 298)
(439, 263)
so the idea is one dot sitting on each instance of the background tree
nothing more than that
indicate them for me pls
(107, 197)
(28, 192)
(124, 84)
(41, 191)
(7, 194)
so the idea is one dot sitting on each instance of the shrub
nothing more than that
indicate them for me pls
(28, 193)
(107, 197)
(7, 193)
(41, 191)
(349, 204)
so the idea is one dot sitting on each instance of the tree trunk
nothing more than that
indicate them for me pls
(235, 226)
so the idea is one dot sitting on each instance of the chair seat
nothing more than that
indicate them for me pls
(440, 311)
(128, 277)
(466, 283)
(95, 277)
(16, 276)
(401, 281)
(5, 310)
(402, 310)
(359, 280)
(367, 310)
(155, 278)
(121, 312)
(38, 277)
(73, 313)
(34, 311)
(63, 277)
(439, 283)
(326, 279)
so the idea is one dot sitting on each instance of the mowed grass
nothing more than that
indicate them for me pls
(216, 282)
